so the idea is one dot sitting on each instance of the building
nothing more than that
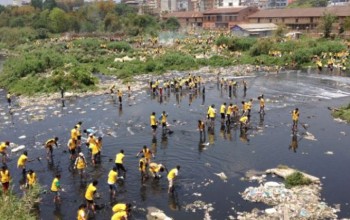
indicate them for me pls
(277, 3)
(229, 3)
(187, 18)
(299, 18)
(254, 30)
(168, 5)
(225, 18)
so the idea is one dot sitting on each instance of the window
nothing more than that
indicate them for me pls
(230, 4)
(258, 20)
(186, 19)
(311, 20)
(296, 20)
(270, 20)
(283, 20)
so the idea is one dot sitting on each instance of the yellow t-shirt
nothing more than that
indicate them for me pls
(153, 120)
(94, 148)
(89, 194)
(5, 176)
(71, 144)
(3, 147)
(120, 215)
(22, 160)
(147, 153)
(119, 207)
(54, 184)
(172, 174)
(112, 177)
(295, 115)
(80, 163)
(81, 214)
(74, 134)
(31, 179)
(119, 158)
(222, 109)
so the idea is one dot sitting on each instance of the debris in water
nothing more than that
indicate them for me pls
(329, 153)
(22, 137)
(309, 136)
(222, 176)
(156, 214)
(16, 149)
(130, 131)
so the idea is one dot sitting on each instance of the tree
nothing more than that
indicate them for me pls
(326, 24)
(36, 3)
(58, 21)
(49, 4)
(172, 24)
(346, 24)
(2, 8)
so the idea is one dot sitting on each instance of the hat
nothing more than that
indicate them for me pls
(91, 134)
(81, 154)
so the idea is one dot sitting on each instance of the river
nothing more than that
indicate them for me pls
(264, 146)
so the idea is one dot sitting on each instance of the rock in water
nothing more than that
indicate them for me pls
(156, 214)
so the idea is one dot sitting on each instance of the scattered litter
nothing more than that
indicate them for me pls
(197, 194)
(309, 136)
(130, 131)
(16, 149)
(22, 137)
(270, 211)
(343, 133)
(222, 176)
(329, 153)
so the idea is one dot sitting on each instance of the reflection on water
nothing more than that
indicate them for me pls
(224, 148)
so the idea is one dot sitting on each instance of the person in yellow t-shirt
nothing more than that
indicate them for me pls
(74, 133)
(112, 180)
(80, 164)
(295, 118)
(81, 214)
(78, 125)
(120, 96)
(143, 168)
(22, 160)
(90, 194)
(122, 215)
(243, 122)
(153, 122)
(55, 188)
(3, 152)
(147, 153)
(119, 207)
(262, 104)
(119, 159)
(171, 177)
(155, 169)
(5, 178)
(31, 178)
(94, 152)
(49, 147)
(222, 112)
(229, 114)
(72, 148)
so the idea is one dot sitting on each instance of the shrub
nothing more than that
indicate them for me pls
(120, 46)
(296, 179)
(263, 46)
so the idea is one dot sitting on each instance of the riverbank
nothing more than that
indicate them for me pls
(44, 66)
(342, 113)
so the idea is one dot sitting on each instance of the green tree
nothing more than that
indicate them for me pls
(58, 21)
(326, 24)
(36, 3)
(346, 24)
(172, 24)
(42, 20)
(49, 4)
(2, 8)
(124, 9)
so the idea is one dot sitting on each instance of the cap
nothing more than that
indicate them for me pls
(81, 154)
(91, 135)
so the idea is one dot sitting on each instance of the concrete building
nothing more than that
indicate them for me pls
(254, 30)
(229, 3)
(168, 5)
(299, 18)
(225, 18)
(277, 3)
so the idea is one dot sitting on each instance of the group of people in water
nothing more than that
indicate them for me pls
(231, 114)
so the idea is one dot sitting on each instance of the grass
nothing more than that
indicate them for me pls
(20, 208)
(296, 179)
(343, 113)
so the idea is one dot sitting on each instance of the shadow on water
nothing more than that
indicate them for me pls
(224, 148)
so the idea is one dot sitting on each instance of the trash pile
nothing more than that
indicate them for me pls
(156, 214)
(300, 202)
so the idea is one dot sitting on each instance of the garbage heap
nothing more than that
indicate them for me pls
(300, 202)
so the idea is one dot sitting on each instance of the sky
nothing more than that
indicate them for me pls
(5, 2)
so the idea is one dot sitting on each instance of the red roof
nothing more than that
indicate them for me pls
(302, 12)
(184, 14)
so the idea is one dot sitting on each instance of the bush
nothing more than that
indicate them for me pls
(241, 44)
(296, 179)
(120, 46)
(263, 46)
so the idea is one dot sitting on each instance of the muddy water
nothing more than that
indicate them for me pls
(265, 146)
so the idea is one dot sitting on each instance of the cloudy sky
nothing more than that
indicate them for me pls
(5, 2)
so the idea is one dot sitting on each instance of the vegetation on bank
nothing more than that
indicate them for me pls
(23, 208)
(45, 66)
(342, 113)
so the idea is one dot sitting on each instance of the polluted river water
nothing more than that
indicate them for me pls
(264, 146)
